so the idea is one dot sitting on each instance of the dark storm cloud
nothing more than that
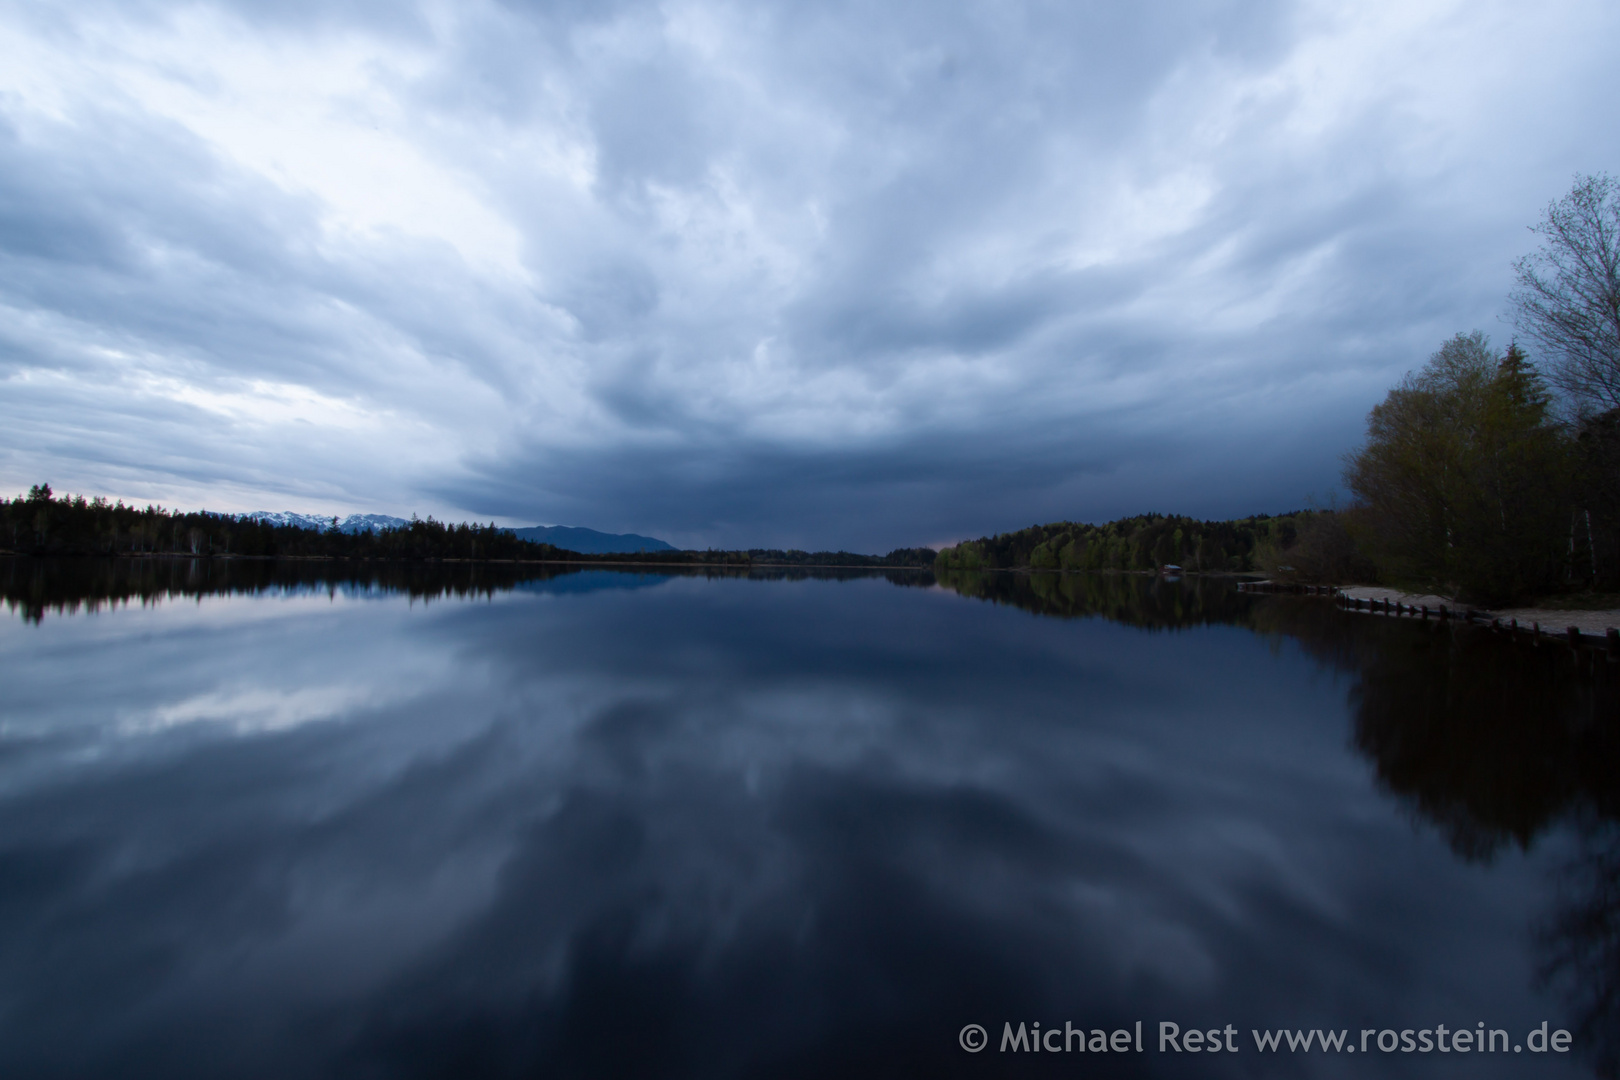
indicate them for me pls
(744, 274)
(931, 490)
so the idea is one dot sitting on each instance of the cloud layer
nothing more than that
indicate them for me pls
(751, 274)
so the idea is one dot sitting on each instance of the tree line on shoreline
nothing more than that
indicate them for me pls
(43, 523)
(1483, 476)
(1142, 542)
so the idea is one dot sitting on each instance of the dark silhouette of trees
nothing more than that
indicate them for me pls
(35, 588)
(40, 523)
(43, 524)
(1568, 299)
(1597, 484)
(899, 557)
(1465, 480)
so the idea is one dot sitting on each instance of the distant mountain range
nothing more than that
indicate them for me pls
(354, 523)
(584, 541)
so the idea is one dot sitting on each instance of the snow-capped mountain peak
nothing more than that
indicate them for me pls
(354, 523)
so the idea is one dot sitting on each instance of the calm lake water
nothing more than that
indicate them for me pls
(277, 821)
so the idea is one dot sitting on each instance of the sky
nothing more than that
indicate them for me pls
(763, 274)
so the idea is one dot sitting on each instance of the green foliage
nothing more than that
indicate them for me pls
(1323, 550)
(1465, 481)
(1145, 542)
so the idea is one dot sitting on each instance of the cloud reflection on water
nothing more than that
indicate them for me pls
(723, 827)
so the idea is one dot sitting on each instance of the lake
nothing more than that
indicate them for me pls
(271, 820)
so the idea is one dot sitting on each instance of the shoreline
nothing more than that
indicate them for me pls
(1576, 624)
(1594, 621)
(439, 561)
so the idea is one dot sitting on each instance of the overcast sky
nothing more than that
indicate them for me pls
(851, 275)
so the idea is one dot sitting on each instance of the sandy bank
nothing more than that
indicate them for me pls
(1552, 620)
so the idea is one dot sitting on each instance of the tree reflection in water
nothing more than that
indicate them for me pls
(1581, 943)
(1491, 739)
(1496, 742)
(36, 588)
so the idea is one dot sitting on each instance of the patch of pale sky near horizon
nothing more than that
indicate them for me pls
(750, 239)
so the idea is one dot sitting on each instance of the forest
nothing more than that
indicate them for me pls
(1143, 542)
(43, 523)
(899, 557)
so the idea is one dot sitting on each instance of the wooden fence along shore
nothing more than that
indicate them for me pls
(1608, 642)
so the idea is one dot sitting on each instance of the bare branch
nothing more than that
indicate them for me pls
(1568, 295)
